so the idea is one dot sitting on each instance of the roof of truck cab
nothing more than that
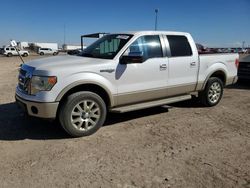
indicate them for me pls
(154, 33)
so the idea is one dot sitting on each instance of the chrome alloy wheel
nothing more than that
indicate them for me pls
(214, 92)
(85, 115)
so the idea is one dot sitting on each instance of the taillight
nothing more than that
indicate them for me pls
(237, 63)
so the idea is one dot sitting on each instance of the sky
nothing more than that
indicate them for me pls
(213, 23)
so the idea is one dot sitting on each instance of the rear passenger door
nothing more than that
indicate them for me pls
(183, 65)
(13, 51)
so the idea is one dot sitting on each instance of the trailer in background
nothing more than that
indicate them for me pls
(23, 45)
(53, 46)
(36, 45)
(67, 47)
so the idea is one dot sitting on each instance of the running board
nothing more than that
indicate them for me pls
(150, 104)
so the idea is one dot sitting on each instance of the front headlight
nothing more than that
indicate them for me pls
(42, 83)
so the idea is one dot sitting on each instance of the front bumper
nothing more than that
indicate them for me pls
(41, 110)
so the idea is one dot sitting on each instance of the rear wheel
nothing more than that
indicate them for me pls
(41, 53)
(25, 55)
(55, 53)
(9, 55)
(213, 92)
(82, 114)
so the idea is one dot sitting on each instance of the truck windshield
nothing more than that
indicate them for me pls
(106, 47)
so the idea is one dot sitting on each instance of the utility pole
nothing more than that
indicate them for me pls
(64, 34)
(156, 18)
(243, 45)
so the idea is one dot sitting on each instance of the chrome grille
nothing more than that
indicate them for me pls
(24, 78)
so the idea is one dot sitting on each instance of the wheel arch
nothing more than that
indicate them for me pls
(92, 87)
(221, 74)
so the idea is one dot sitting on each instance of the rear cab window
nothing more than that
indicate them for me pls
(179, 46)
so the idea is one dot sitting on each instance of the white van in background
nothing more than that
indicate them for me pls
(47, 51)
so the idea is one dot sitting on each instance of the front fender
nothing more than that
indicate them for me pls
(74, 80)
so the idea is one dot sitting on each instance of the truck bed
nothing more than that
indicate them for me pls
(209, 63)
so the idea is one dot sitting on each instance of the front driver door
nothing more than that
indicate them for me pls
(145, 81)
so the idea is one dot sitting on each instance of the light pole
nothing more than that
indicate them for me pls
(156, 18)
(243, 45)
(64, 33)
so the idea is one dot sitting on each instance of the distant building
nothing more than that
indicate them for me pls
(22, 45)
(53, 46)
(36, 45)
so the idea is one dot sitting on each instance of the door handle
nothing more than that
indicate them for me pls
(163, 66)
(193, 64)
(107, 70)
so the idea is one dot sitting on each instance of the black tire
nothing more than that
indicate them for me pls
(75, 104)
(9, 55)
(25, 55)
(213, 92)
(41, 53)
(55, 53)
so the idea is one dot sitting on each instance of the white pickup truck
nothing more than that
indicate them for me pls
(120, 73)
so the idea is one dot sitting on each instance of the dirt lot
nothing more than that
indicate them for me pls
(185, 145)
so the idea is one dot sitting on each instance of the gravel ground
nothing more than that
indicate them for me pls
(184, 145)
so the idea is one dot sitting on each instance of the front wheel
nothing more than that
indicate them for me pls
(82, 114)
(213, 92)
(9, 55)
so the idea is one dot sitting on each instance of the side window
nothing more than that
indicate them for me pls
(13, 49)
(149, 46)
(179, 46)
(7, 49)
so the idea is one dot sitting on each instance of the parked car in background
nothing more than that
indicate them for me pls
(47, 51)
(1, 50)
(244, 68)
(244, 51)
(11, 51)
(74, 52)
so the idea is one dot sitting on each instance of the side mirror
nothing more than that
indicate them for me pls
(132, 57)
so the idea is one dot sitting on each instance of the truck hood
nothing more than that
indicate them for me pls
(67, 63)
